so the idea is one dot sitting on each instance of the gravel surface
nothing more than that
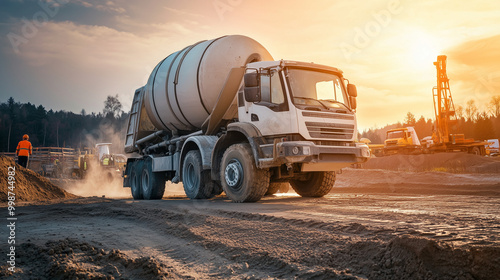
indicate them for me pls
(341, 236)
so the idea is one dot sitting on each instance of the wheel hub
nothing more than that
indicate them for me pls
(233, 173)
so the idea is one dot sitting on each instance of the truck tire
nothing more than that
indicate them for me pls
(135, 179)
(152, 183)
(274, 187)
(241, 180)
(475, 151)
(317, 184)
(197, 182)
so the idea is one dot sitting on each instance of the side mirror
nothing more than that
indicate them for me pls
(251, 79)
(352, 91)
(252, 94)
(354, 103)
(252, 89)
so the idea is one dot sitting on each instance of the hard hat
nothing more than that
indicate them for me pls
(26, 137)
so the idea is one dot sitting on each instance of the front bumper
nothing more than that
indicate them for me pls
(314, 157)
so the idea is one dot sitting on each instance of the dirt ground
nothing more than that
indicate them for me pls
(376, 224)
(440, 162)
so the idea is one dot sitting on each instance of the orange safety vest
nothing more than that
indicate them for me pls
(24, 148)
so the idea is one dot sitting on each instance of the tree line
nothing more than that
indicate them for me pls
(470, 121)
(67, 129)
(60, 128)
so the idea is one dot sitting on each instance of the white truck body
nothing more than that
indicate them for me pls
(493, 148)
(231, 117)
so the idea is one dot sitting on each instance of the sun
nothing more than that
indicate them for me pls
(423, 49)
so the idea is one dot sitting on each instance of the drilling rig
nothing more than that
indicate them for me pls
(444, 109)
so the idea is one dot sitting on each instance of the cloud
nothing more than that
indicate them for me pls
(474, 65)
(76, 65)
(110, 46)
(108, 6)
(78, 45)
(182, 12)
(91, 45)
(478, 53)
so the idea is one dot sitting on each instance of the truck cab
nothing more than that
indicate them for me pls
(401, 140)
(306, 113)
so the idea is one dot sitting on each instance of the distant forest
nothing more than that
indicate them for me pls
(60, 128)
(476, 124)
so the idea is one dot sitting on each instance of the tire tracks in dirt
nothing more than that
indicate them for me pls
(209, 239)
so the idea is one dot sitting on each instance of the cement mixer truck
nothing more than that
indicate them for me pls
(222, 115)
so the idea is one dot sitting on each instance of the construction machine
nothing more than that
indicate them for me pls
(443, 138)
(402, 140)
(101, 157)
(111, 163)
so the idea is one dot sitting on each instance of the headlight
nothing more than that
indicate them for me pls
(365, 152)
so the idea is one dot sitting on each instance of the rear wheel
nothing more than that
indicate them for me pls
(135, 185)
(241, 180)
(316, 184)
(152, 183)
(197, 183)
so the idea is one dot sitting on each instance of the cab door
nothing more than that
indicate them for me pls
(271, 115)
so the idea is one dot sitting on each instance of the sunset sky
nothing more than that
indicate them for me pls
(70, 55)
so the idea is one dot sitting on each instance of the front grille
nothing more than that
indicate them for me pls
(331, 143)
(328, 115)
(391, 143)
(330, 130)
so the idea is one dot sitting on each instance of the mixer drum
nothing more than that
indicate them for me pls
(183, 88)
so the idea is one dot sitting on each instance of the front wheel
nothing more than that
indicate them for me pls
(241, 180)
(476, 151)
(316, 184)
(197, 183)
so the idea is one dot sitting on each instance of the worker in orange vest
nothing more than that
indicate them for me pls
(24, 150)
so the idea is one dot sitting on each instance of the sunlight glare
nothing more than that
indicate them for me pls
(423, 49)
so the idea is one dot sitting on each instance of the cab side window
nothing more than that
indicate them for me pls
(272, 94)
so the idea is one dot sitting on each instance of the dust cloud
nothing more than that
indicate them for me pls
(107, 181)
(172, 189)
(100, 181)
(108, 133)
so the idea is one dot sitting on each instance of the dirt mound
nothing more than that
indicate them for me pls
(403, 182)
(445, 162)
(421, 258)
(30, 186)
(72, 259)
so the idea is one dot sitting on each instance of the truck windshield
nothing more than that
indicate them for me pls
(395, 134)
(314, 88)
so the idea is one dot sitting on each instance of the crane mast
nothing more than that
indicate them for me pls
(443, 104)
